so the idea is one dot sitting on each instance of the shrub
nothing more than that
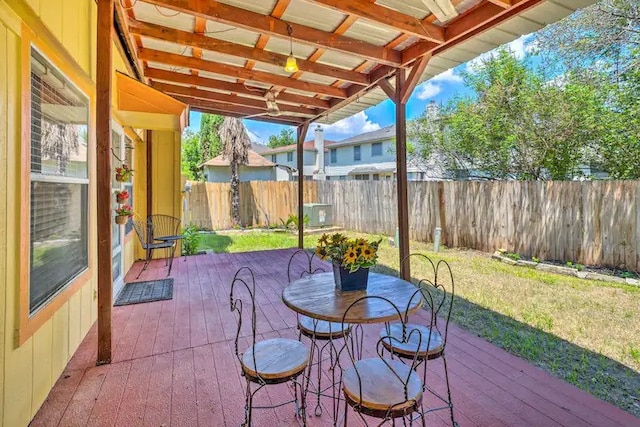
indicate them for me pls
(513, 256)
(190, 240)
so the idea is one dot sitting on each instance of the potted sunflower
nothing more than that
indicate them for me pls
(351, 259)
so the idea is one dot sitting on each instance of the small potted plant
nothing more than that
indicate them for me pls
(121, 196)
(123, 213)
(123, 173)
(351, 259)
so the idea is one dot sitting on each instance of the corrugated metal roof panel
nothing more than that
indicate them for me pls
(222, 58)
(372, 32)
(338, 59)
(313, 15)
(160, 66)
(165, 46)
(415, 8)
(231, 34)
(263, 7)
(167, 17)
(282, 46)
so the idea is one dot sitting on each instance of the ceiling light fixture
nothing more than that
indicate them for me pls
(291, 66)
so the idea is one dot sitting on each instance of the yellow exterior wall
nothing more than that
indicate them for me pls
(29, 371)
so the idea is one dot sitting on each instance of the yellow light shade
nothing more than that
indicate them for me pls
(291, 66)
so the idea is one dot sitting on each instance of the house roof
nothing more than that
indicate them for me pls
(307, 146)
(227, 56)
(255, 161)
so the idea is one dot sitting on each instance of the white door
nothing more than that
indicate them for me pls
(117, 238)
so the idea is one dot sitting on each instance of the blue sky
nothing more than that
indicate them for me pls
(440, 88)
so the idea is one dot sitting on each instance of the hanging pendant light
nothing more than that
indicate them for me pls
(291, 65)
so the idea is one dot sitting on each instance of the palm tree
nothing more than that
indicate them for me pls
(235, 148)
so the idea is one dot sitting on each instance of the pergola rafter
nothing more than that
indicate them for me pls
(347, 63)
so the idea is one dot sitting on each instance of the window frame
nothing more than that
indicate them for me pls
(375, 154)
(29, 323)
(289, 156)
(357, 148)
(274, 158)
(333, 155)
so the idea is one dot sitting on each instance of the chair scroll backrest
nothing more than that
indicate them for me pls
(307, 269)
(163, 225)
(244, 281)
(413, 334)
(437, 291)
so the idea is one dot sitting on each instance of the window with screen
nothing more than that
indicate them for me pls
(334, 155)
(376, 149)
(59, 182)
(128, 159)
(274, 157)
(290, 156)
(356, 153)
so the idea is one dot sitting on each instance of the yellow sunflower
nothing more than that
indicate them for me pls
(350, 256)
(368, 253)
(361, 242)
(323, 239)
(321, 252)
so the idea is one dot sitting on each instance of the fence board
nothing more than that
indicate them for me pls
(593, 223)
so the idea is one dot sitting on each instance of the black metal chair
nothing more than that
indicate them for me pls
(438, 300)
(314, 329)
(383, 387)
(165, 228)
(271, 361)
(144, 231)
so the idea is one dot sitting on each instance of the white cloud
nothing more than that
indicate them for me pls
(433, 86)
(428, 90)
(354, 125)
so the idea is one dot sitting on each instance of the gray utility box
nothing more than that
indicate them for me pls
(320, 215)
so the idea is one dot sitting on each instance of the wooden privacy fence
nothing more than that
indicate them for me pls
(593, 223)
(262, 203)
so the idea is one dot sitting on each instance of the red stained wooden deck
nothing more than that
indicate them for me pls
(174, 365)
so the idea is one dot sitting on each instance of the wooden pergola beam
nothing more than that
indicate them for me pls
(223, 108)
(256, 22)
(301, 133)
(288, 121)
(237, 88)
(240, 72)
(469, 24)
(505, 4)
(240, 101)
(373, 12)
(104, 76)
(198, 41)
(414, 77)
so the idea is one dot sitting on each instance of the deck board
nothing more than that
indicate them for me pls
(174, 364)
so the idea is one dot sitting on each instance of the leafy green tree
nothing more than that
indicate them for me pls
(285, 138)
(191, 156)
(517, 124)
(210, 143)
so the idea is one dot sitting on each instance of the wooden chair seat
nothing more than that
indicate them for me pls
(421, 343)
(322, 329)
(277, 359)
(382, 390)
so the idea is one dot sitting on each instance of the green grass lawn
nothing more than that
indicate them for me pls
(584, 332)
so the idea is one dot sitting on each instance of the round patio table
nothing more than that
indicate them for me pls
(316, 296)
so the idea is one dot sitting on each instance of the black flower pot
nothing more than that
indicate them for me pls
(346, 281)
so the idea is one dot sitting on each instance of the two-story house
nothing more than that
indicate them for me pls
(285, 158)
(369, 156)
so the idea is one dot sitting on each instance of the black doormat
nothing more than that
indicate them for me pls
(152, 290)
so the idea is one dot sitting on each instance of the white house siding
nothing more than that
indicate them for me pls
(223, 173)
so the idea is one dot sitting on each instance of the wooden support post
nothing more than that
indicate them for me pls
(103, 173)
(302, 133)
(149, 145)
(401, 160)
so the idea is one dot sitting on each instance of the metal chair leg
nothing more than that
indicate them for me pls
(171, 260)
(446, 376)
(146, 263)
